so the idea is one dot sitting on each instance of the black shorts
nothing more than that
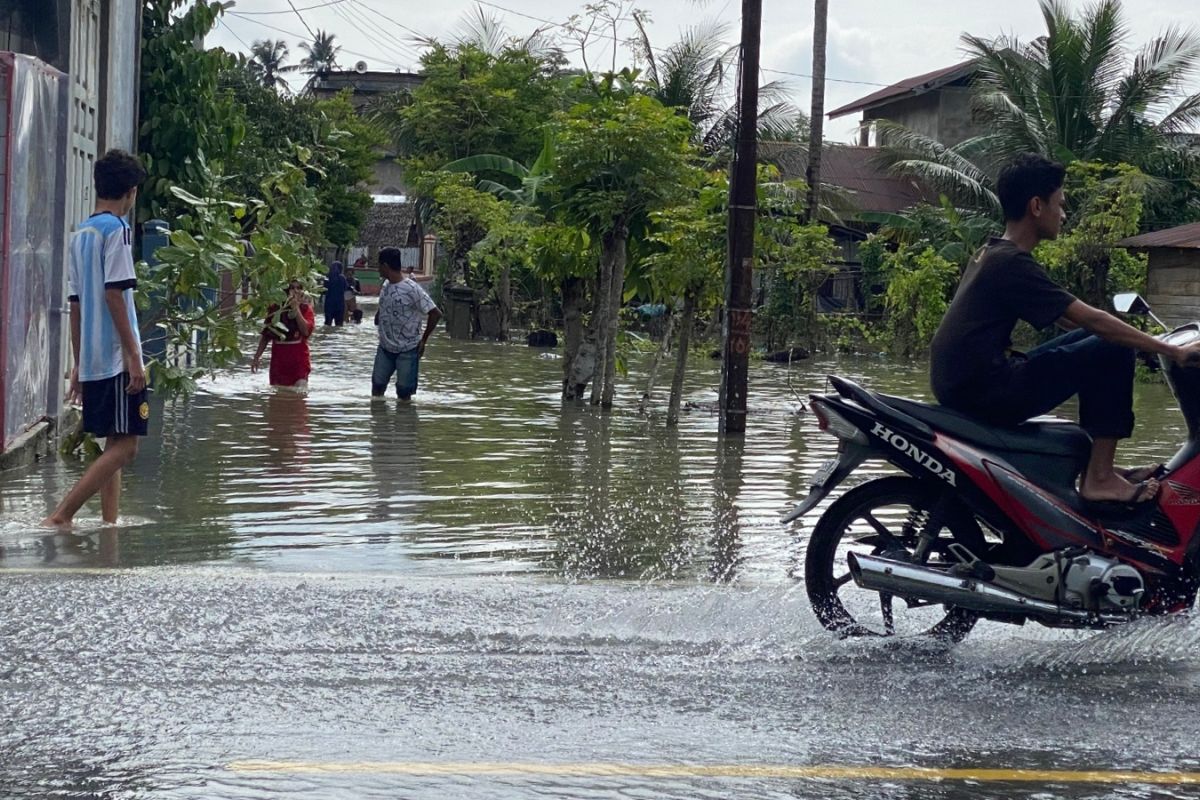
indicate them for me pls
(108, 410)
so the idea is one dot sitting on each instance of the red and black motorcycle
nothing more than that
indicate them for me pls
(987, 522)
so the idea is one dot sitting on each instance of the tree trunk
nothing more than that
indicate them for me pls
(599, 329)
(616, 300)
(663, 347)
(504, 300)
(572, 304)
(685, 339)
(817, 116)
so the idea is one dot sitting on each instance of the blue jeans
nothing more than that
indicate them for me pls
(1077, 363)
(404, 365)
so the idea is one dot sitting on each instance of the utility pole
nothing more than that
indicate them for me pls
(743, 205)
(816, 139)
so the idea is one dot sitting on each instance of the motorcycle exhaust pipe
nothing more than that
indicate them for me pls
(931, 585)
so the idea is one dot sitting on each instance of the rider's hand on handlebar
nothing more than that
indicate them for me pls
(1188, 356)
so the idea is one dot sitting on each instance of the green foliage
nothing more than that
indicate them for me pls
(185, 119)
(793, 259)
(175, 296)
(1106, 206)
(920, 285)
(618, 157)
(342, 149)
(850, 334)
(691, 243)
(956, 234)
(474, 102)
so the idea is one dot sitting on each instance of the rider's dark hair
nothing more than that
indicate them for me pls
(390, 257)
(1028, 176)
(116, 172)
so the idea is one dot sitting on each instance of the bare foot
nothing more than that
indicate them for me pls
(1117, 489)
(57, 523)
(1139, 474)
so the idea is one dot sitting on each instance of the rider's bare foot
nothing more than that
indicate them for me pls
(1115, 489)
(1139, 474)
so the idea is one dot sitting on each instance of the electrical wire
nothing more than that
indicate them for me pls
(296, 10)
(301, 36)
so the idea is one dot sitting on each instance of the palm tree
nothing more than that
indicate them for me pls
(267, 62)
(322, 53)
(695, 74)
(816, 141)
(1073, 94)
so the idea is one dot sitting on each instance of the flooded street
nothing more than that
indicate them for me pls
(488, 594)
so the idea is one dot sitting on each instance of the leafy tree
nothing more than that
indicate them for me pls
(618, 157)
(920, 286)
(341, 143)
(1106, 207)
(322, 54)
(688, 268)
(794, 258)
(472, 102)
(187, 124)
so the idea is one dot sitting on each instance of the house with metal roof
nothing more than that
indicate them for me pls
(367, 87)
(936, 104)
(1173, 273)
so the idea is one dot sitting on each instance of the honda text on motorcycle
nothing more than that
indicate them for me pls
(986, 522)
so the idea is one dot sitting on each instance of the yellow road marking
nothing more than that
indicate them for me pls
(819, 772)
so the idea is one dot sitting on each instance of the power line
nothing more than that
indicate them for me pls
(395, 22)
(302, 22)
(350, 15)
(301, 36)
(234, 34)
(297, 10)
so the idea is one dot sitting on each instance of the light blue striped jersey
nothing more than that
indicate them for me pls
(101, 257)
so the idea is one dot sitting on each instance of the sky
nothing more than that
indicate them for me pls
(871, 43)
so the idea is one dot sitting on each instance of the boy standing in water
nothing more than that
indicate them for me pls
(108, 372)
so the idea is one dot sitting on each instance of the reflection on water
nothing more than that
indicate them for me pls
(486, 472)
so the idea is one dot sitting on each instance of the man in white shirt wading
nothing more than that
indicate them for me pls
(108, 372)
(404, 307)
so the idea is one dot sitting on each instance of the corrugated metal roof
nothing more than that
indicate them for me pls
(1186, 237)
(850, 168)
(910, 87)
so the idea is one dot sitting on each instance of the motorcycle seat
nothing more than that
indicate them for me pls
(1047, 436)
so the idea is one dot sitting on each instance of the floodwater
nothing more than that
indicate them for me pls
(490, 594)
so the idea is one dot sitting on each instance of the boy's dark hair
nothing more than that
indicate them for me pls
(1027, 177)
(390, 257)
(116, 172)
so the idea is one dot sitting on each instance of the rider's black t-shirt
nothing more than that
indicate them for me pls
(1001, 285)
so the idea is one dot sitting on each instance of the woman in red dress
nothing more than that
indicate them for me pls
(287, 329)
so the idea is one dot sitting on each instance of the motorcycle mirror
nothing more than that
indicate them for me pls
(1130, 303)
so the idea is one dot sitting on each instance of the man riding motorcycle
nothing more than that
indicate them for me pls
(975, 370)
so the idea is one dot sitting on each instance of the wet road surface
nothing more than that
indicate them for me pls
(487, 595)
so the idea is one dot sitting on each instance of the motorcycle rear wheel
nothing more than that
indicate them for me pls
(883, 517)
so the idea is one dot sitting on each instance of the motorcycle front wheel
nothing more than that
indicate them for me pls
(884, 517)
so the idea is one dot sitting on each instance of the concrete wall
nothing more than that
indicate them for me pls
(388, 177)
(918, 114)
(943, 114)
(956, 123)
(1173, 285)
